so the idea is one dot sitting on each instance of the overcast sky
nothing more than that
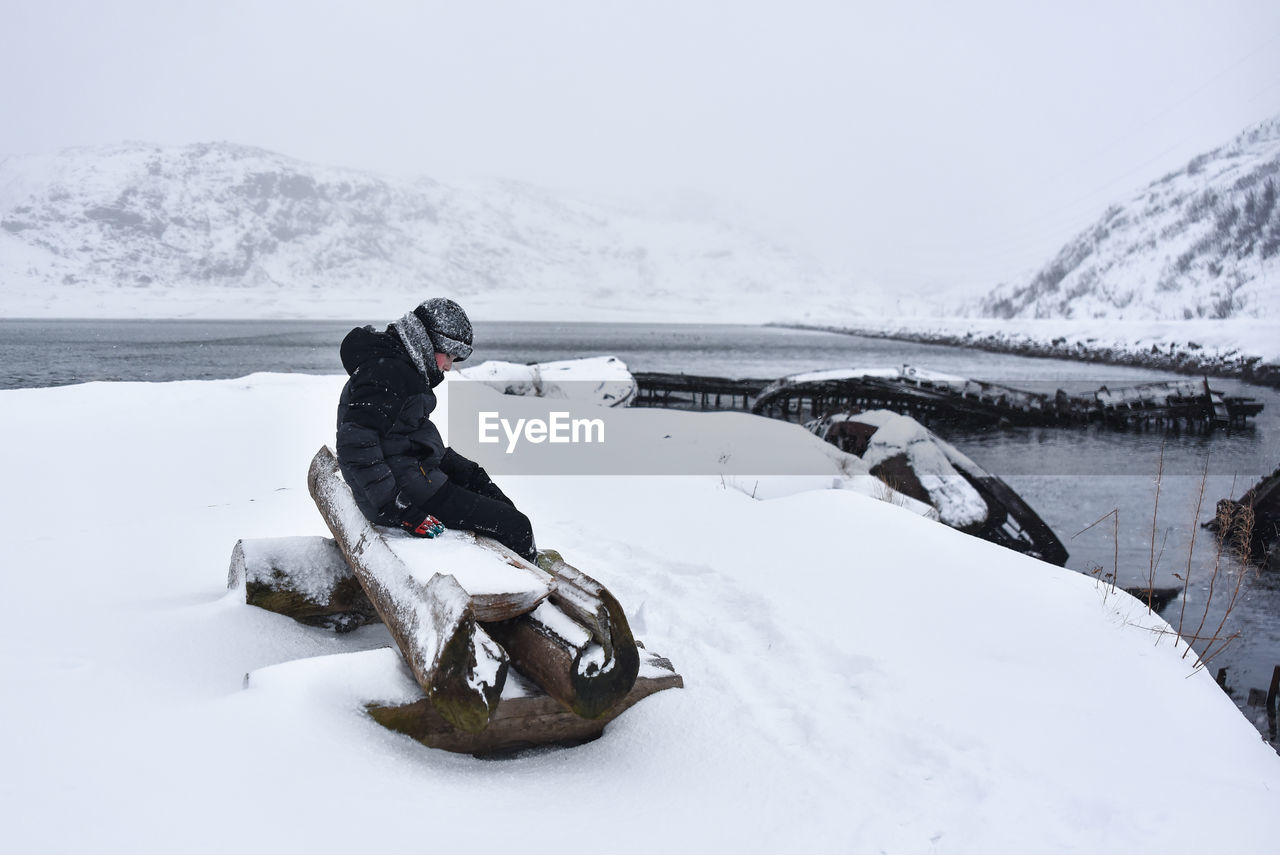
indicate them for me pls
(927, 144)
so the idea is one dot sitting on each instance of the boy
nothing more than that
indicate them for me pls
(390, 453)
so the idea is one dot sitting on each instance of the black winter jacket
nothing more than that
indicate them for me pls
(389, 451)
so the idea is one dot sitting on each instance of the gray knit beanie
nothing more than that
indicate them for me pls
(447, 325)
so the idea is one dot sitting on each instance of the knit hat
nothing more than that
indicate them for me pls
(447, 325)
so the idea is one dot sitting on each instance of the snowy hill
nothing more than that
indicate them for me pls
(230, 231)
(1202, 242)
(857, 679)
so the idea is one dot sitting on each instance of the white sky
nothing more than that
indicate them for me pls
(931, 145)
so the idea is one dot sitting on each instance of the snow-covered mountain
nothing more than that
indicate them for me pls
(227, 230)
(1201, 242)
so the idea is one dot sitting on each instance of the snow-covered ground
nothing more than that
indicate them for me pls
(858, 679)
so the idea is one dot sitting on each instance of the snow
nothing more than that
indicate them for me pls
(958, 504)
(478, 571)
(905, 372)
(594, 661)
(487, 665)
(837, 374)
(315, 564)
(596, 380)
(858, 679)
(560, 625)
(1217, 345)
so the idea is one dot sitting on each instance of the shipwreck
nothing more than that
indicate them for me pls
(913, 460)
(933, 397)
(1251, 524)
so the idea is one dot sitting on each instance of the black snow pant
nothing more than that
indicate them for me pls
(460, 508)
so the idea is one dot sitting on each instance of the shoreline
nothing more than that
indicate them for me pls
(1187, 359)
(1244, 349)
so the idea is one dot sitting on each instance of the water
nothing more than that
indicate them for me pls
(1071, 476)
(52, 353)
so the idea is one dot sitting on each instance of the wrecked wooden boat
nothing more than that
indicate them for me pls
(695, 392)
(913, 460)
(933, 397)
(599, 380)
(1175, 403)
(1251, 524)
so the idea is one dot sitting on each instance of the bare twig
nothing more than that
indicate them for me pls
(1243, 547)
(1205, 660)
(1115, 541)
(1114, 513)
(1195, 527)
(1155, 510)
(1163, 541)
(1213, 578)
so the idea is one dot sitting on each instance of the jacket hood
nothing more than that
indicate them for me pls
(365, 343)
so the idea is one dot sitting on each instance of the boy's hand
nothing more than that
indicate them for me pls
(429, 527)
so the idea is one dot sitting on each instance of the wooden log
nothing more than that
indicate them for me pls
(309, 580)
(577, 646)
(305, 578)
(459, 667)
(501, 586)
(590, 602)
(523, 721)
(579, 596)
(562, 657)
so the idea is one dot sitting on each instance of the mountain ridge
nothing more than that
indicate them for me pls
(242, 230)
(1200, 242)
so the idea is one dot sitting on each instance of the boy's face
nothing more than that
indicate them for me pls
(444, 361)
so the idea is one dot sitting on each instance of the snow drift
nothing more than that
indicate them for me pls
(858, 679)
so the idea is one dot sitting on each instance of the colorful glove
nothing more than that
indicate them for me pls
(429, 527)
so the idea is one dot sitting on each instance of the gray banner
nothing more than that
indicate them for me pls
(516, 435)
(569, 434)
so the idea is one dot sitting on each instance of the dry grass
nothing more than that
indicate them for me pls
(1155, 512)
(1232, 557)
(1108, 578)
(1234, 522)
(887, 491)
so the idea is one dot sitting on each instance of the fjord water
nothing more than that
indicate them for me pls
(1071, 476)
